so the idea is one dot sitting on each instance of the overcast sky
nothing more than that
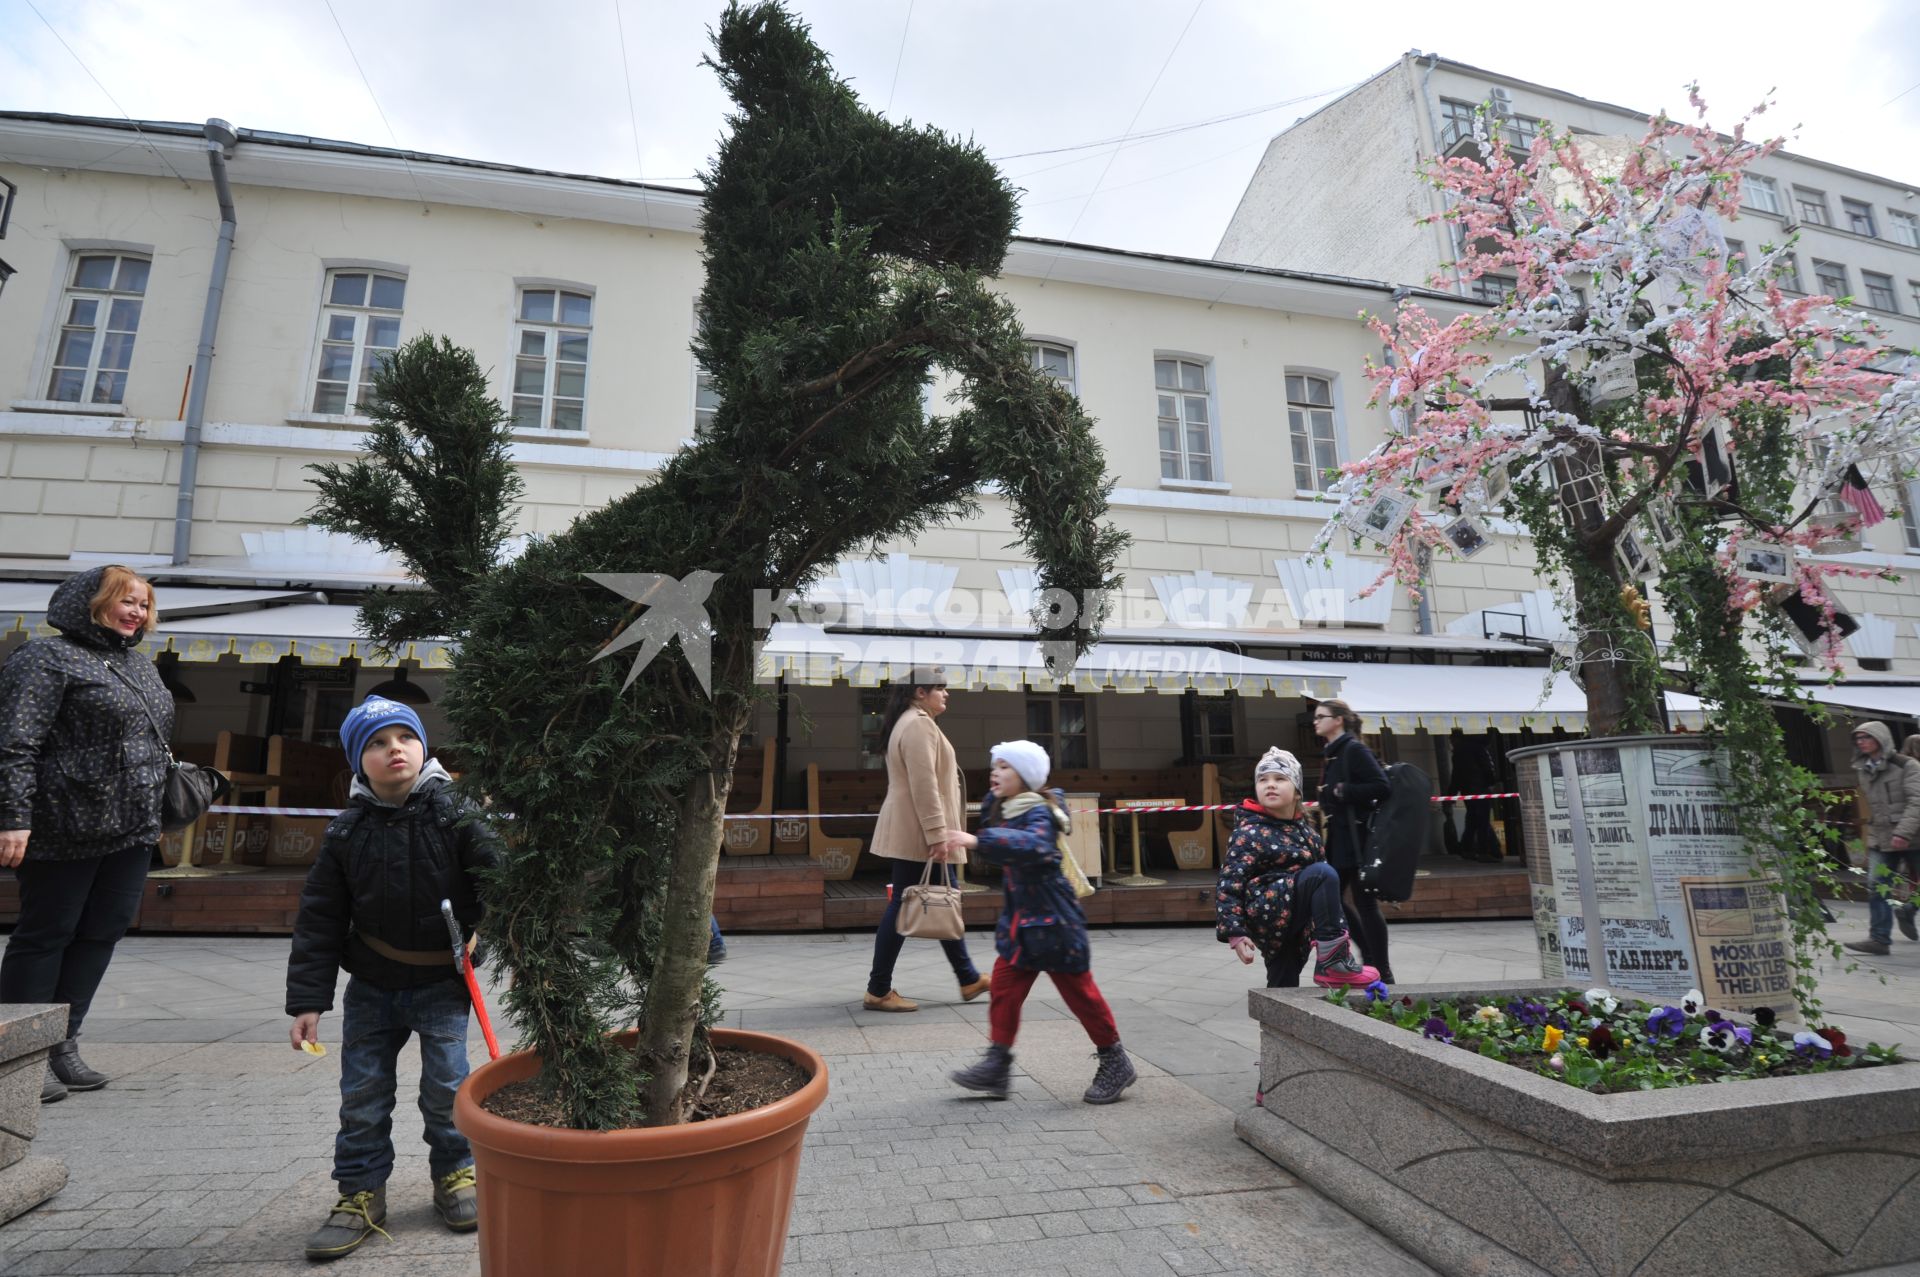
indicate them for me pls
(546, 85)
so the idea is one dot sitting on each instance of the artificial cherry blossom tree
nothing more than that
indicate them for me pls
(1647, 393)
(1652, 405)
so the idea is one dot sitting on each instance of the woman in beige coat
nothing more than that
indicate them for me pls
(924, 800)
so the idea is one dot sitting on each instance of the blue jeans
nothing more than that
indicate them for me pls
(1890, 876)
(887, 940)
(377, 1022)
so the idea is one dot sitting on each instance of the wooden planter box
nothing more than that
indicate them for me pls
(1478, 1167)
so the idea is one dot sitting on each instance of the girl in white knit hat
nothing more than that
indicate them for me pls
(1041, 927)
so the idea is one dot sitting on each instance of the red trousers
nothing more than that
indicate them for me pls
(1009, 993)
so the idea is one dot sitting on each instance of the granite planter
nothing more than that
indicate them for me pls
(1482, 1168)
(26, 1033)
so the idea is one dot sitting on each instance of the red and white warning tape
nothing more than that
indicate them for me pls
(862, 815)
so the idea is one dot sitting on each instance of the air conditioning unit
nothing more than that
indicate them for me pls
(1501, 101)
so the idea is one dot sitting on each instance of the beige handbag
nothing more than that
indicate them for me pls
(931, 910)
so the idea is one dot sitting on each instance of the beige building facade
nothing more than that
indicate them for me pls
(1222, 391)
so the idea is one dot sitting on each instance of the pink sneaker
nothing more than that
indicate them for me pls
(1337, 966)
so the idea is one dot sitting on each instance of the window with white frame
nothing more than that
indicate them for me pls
(1185, 420)
(706, 395)
(1056, 360)
(1737, 256)
(1879, 290)
(99, 318)
(1058, 724)
(1761, 194)
(551, 342)
(1905, 227)
(1913, 287)
(1811, 205)
(1310, 431)
(1858, 218)
(1456, 122)
(1493, 288)
(1831, 276)
(359, 331)
(1909, 520)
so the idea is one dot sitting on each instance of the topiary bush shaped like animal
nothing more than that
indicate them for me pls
(848, 261)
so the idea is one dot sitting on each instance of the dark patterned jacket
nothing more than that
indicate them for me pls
(1254, 895)
(1352, 782)
(1041, 926)
(382, 872)
(81, 765)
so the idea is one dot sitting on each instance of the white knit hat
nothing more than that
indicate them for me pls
(1279, 760)
(1026, 758)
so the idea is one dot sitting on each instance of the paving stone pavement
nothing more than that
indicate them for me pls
(211, 1150)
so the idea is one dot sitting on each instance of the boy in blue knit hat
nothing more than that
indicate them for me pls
(372, 906)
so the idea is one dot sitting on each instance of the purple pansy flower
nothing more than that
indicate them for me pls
(1437, 1029)
(1668, 1021)
(1378, 991)
(1531, 1014)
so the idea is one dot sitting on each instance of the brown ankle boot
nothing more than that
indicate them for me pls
(892, 1002)
(968, 992)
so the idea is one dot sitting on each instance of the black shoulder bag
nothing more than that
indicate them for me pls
(189, 788)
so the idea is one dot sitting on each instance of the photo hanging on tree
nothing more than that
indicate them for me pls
(1769, 563)
(1379, 516)
(1662, 525)
(1635, 563)
(1466, 536)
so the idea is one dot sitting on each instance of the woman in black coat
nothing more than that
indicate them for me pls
(1351, 783)
(83, 724)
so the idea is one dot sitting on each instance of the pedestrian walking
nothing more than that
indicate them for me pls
(1351, 782)
(1276, 893)
(1474, 773)
(924, 802)
(371, 905)
(1041, 927)
(1889, 780)
(84, 725)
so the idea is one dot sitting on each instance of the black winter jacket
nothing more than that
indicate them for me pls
(382, 872)
(1351, 783)
(81, 764)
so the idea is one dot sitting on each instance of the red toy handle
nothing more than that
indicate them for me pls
(480, 1010)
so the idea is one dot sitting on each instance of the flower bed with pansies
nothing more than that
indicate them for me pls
(1605, 1044)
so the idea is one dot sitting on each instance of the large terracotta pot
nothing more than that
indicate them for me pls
(706, 1199)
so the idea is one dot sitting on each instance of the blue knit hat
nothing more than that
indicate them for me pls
(366, 719)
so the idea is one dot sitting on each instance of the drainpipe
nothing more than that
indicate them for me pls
(220, 139)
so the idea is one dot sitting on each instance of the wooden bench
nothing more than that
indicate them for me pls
(266, 771)
(753, 781)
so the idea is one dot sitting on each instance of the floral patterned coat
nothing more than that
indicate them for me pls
(1254, 896)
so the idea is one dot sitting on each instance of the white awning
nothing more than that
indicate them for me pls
(1440, 698)
(23, 604)
(811, 656)
(202, 624)
(1895, 701)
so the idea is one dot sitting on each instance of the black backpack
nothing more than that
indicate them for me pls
(1396, 834)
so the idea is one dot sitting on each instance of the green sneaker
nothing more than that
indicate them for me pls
(352, 1218)
(457, 1201)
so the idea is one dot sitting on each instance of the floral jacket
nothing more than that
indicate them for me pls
(1041, 927)
(1254, 897)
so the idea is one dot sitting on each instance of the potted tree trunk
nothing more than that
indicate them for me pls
(848, 261)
